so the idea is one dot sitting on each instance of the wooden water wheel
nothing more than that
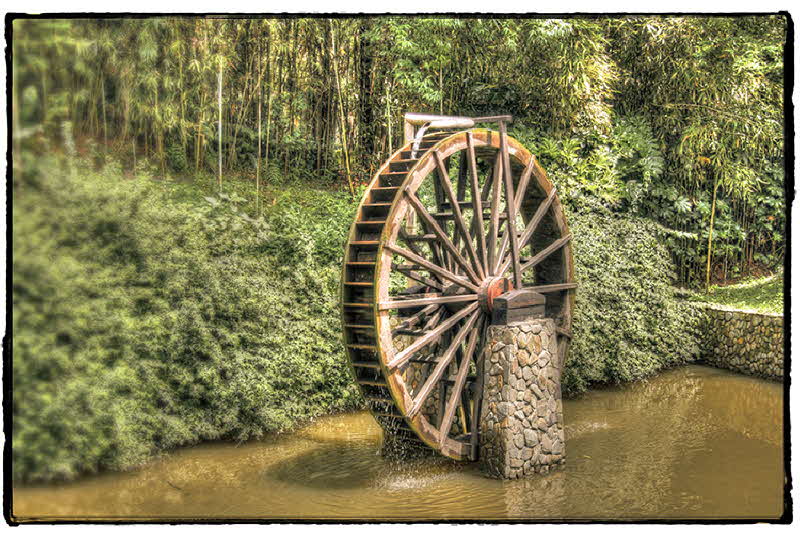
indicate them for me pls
(422, 269)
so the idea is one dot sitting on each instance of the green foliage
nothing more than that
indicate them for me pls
(176, 159)
(141, 323)
(758, 294)
(628, 323)
(646, 114)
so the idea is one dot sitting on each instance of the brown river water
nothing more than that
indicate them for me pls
(693, 442)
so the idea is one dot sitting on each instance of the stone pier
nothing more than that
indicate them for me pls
(522, 421)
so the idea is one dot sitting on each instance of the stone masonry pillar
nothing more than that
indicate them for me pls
(522, 421)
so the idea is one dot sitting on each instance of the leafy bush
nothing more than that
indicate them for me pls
(140, 324)
(176, 158)
(627, 323)
(145, 317)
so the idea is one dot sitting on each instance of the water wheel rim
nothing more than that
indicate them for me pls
(445, 146)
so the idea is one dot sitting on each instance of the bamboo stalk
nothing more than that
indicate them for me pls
(341, 112)
(219, 124)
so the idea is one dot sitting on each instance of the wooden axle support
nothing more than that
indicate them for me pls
(518, 306)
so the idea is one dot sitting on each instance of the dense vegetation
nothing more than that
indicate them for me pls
(678, 119)
(758, 294)
(143, 322)
(161, 296)
(146, 316)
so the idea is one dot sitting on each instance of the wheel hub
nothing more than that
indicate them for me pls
(491, 288)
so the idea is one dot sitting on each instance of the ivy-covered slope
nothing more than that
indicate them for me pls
(628, 323)
(140, 324)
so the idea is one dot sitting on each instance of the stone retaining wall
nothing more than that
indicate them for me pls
(522, 421)
(743, 341)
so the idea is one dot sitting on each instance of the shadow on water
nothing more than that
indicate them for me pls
(354, 465)
(331, 466)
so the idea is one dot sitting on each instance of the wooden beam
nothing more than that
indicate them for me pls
(421, 261)
(455, 395)
(443, 238)
(404, 355)
(511, 221)
(457, 215)
(477, 206)
(441, 366)
(542, 255)
(417, 302)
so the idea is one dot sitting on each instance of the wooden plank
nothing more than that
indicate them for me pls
(533, 223)
(418, 302)
(511, 230)
(554, 287)
(441, 366)
(494, 221)
(477, 396)
(421, 261)
(416, 277)
(455, 395)
(443, 237)
(477, 206)
(371, 383)
(362, 346)
(542, 255)
(459, 219)
(404, 355)
(367, 364)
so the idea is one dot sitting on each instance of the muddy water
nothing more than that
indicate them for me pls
(694, 442)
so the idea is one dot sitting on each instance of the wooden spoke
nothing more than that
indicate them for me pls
(522, 186)
(554, 287)
(459, 219)
(533, 223)
(458, 386)
(429, 298)
(494, 221)
(487, 185)
(417, 317)
(477, 397)
(416, 277)
(433, 320)
(404, 355)
(443, 238)
(441, 366)
(520, 195)
(511, 221)
(477, 206)
(421, 261)
(434, 247)
(539, 257)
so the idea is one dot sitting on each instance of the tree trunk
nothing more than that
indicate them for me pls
(710, 235)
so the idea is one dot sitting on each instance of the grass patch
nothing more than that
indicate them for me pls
(760, 294)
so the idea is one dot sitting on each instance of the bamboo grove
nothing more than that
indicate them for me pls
(676, 118)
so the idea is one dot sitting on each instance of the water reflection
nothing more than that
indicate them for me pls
(693, 442)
